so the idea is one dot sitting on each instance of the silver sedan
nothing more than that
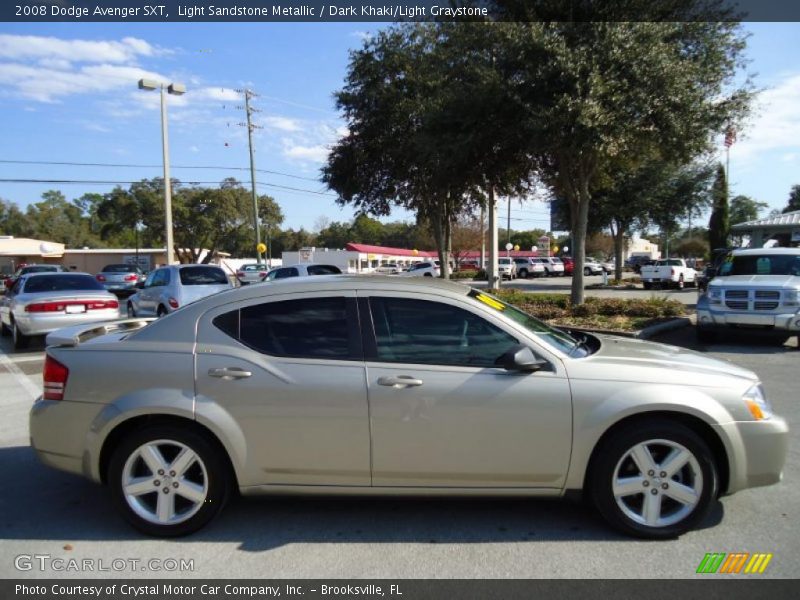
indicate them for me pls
(43, 302)
(379, 385)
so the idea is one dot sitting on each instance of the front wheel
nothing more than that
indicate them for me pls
(131, 311)
(647, 285)
(587, 271)
(167, 481)
(656, 480)
(20, 339)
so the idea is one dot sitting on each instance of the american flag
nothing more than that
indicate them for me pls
(730, 137)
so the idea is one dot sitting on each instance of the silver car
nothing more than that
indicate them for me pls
(304, 270)
(251, 273)
(168, 288)
(39, 303)
(389, 385)
(120, 278)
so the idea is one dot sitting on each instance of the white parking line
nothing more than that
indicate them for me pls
(26, 359)
(33, 390)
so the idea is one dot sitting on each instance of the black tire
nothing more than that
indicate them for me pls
(216, 476)
(21, 340)
(427, 275)
(4, 330)
(659, 437)
(587, 271)
(523, 273)
(647, 285)
(161, 311)
(681, 284)
(131, 311)
(705, 335)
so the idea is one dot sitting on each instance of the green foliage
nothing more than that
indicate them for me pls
(719, 223)
(794, 200)
(744, 208)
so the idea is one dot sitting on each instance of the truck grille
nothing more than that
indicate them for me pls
(760, 300)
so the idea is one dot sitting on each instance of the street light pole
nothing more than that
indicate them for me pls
(175, 89)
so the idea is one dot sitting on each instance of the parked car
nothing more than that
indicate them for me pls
(592, 267)
(169, 288)
(506, 267)
(637, 262)
(389, 269)
(251, 273)
(396, 385)
(41, 302)
(553, 266)
(756, 288)
(606, 265)
(422, 269)
(668, 272)
(304, 270)
(569, 264)
(527, 267)
(121, 278)
(25, 270)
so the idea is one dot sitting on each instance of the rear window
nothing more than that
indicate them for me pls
(61, 283)
(39, 269)
(254, 268)
(324, 270)
(119, 269)
(202, 276)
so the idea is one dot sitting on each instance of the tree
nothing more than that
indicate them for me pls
(13, 221)
(467, 235)
(794, 200)
(60, 221)
(593, 92)
(719, 223)
(743, 209)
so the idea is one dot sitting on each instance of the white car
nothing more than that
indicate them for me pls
(528, 267)
(552, 265)
(389, 269)
(592, 267)
(304, 270)
(423, 269)
(506, 268)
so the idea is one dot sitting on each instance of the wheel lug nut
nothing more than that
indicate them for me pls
(654, 491)
(161, 471)
(662, 474)
(166, 490)
(172, 473)
(651, 472)
(645, 483)
(174, 484)
(156, 483)
(664, 486)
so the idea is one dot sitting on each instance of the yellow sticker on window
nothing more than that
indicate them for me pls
(490, 302)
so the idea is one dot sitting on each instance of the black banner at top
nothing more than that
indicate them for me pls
(30, 11)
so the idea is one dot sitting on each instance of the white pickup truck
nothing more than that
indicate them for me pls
(756, 288)
(668, 272)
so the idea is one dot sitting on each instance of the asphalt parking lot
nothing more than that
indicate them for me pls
(46, 512)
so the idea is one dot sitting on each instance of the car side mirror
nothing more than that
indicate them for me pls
(520, 358)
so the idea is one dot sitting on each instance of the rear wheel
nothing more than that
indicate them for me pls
(131, 311)
(587, 271)
(4, 330)
(161, 311)
(20, 339)
(655, 480)
(167, 481)
(647, 285)
(681, 284)
(523, 273)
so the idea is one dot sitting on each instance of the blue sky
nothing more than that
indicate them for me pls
(68, 93)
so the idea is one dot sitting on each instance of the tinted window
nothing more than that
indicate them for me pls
(228, 323)
(160, 277)
(59, 283)
(286, 273)
(254, 268)
(323, 270)
(419, 331)
(120, 269)
(761, 264)
(39, 269)
(310, 328)
(202, 276)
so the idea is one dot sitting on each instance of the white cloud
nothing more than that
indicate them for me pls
(282, 123)
(362, 35)
(217, 94)
(316, 153)
(194, 149)
(776, 125)
(22, 47)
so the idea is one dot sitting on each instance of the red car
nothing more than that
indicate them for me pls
(569, 264)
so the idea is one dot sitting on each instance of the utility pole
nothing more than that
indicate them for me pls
(492, 276)
(249, 110)
(508, 223)
(483, 238)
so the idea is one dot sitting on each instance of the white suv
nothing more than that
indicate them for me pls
(552, 265)
(506, 267)
(423, 269)
(528, 267)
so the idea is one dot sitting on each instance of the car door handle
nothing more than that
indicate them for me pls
(400, 381)
(229, 373)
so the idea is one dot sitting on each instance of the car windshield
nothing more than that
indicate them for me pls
(551, 336)
(119, 269)
(202, 276)
(254, 268)
(61, 283)
(760, 264)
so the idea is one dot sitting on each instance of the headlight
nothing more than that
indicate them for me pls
(790, 298)
(757, 403)
(714, 296)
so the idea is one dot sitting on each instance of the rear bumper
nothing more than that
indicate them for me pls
(44, 323)
(757, 452)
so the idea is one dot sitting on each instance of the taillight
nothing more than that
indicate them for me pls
(173, 303)
(672, 272)
(100, 278)
(55, 379)
(240, 273)
(262, 274)
(39, 307)
(130, 278)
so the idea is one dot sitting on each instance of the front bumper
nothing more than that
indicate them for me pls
(724, 319)
(756, 452)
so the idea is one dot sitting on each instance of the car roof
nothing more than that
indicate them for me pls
(752, 251)
(57, 274)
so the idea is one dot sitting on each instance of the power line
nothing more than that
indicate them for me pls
(135, 166)
(101, 182)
